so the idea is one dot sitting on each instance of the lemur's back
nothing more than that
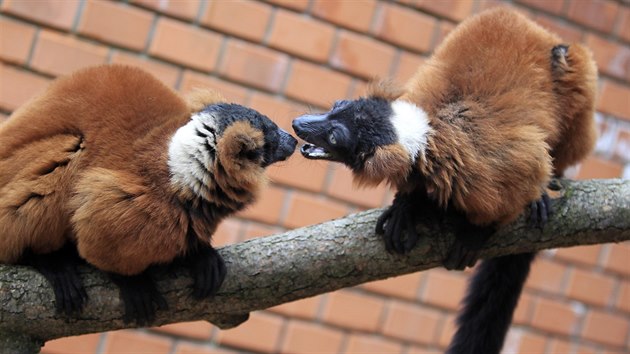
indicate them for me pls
(48, 143)
(503, 62)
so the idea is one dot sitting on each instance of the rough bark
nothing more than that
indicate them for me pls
(305, 262)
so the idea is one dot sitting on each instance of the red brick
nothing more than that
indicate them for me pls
(555, 317)
(198, 330)
(624, 23)
(623, 299)
(305, 308)
(362, 344)
(119, 24)
(185, 348)
(268, 207)
(58, 54)
(60, 14)
(299, 5)
(302, 36)
(16, 40)
(613, 99)
(618, 258)
(85, 344)
(281, 111)
(552, 6)
(165, 72)
(227, 233)
(444, 28)
(254, 65)
(303, 337)
(404, 286)
(546, 276)
(184, 44)
(18, 86)
(611, 58)
(412, 349)
(253, 230)
(524, 309)
(411, 323)
(362, 56)
(560, 346)
(519, 341)
(128, 341)
(408, 64)
(245, 19)
(622, 144)
(444, 289)
(594, 167)
(605, 328)
(356, 15)
(184, 9)
(259, 333)
(598, 14)
(305, 209)
(590, 287)
(353, 310)
(231, 92)
(587, 255)
(446, 331)
(315, 84)
(404, 27)
(342, 187)
(454, 9)
(567, 32)
(300, 173)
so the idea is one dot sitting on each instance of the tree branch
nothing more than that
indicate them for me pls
(305, 262)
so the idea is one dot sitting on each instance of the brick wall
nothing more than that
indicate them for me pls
(284, 57)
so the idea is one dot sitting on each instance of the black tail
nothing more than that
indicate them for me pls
(489, 304)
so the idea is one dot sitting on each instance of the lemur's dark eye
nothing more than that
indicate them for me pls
(331, 139)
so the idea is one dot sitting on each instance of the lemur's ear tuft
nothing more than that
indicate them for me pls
(240, 145)
(389, 163)
(385, 88)
(199, 98)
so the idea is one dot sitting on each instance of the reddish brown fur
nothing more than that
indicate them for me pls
(107, 130)
(503, 120)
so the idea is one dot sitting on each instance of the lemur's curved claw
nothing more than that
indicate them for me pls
(396, 226)
(540, 210)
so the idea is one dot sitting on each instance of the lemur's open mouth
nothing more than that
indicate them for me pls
(314, 152)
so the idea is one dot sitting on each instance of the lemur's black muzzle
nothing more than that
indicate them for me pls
(286, 147)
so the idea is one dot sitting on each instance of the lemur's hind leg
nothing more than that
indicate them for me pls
(140, 297)
(60, 269)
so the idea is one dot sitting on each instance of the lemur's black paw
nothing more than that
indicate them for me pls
(208, 271)
(60, 269)
(469, 240)
(460, 257)
(397, 228)
(559, 62)
(540, 211)
(141, 298)
(70, 295)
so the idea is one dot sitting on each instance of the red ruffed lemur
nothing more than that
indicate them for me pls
(500, 108)
(111, 163)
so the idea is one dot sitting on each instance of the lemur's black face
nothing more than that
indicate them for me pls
(279, 144)
(349, 133)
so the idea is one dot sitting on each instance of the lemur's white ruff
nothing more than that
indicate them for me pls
(412, 127)
(189, 157)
